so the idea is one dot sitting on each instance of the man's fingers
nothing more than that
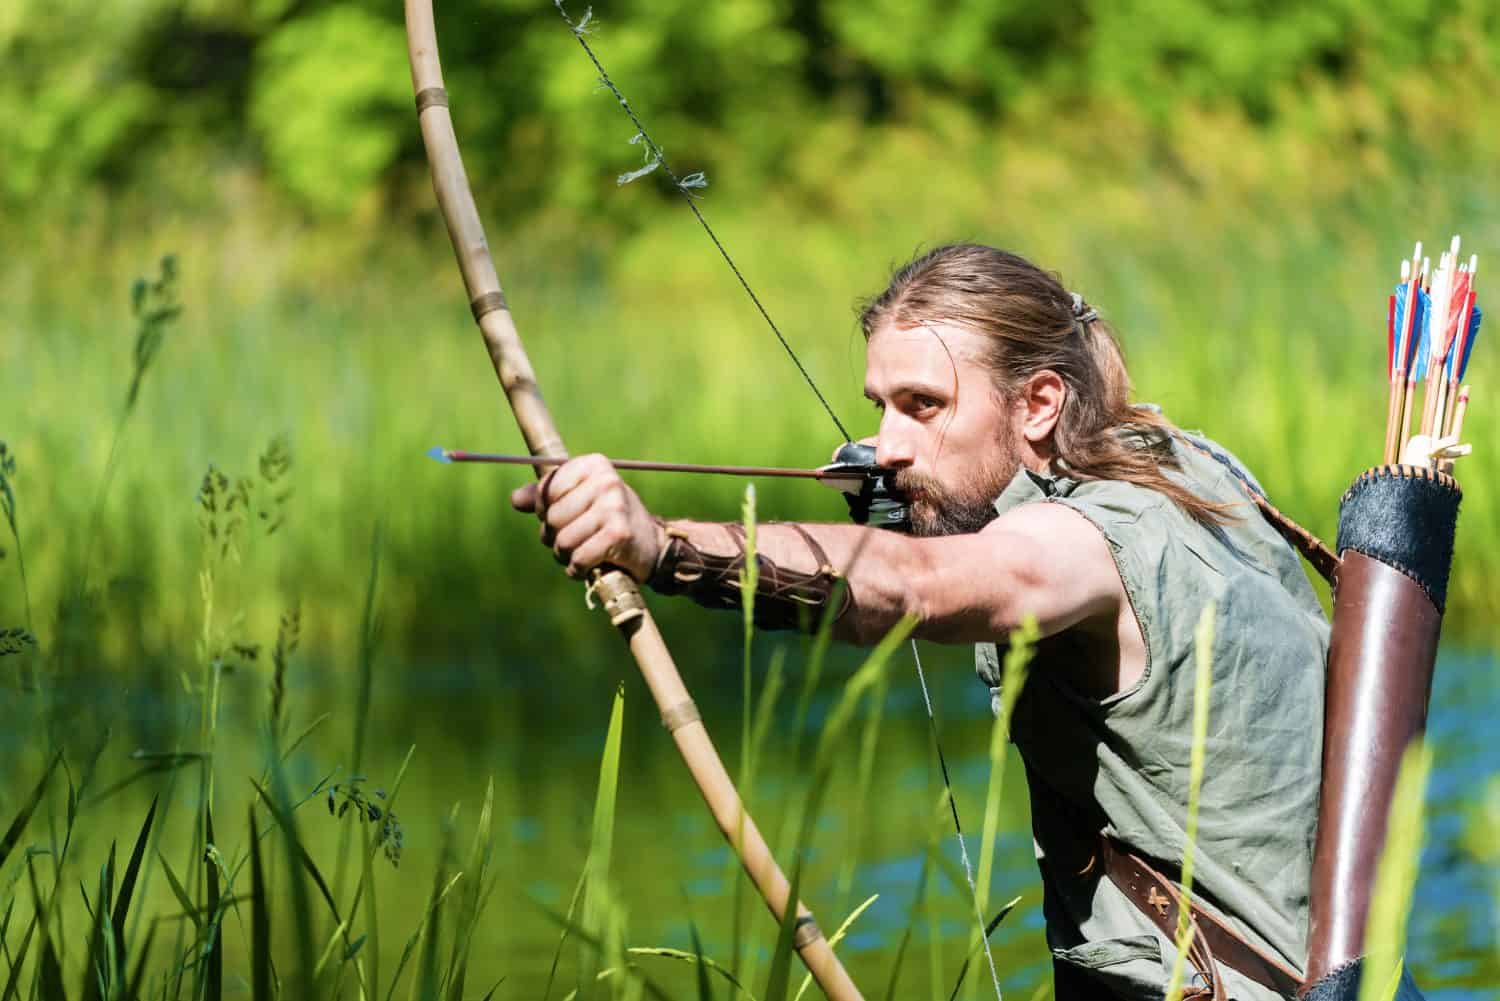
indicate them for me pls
(594, 551)
(548, 493)
(539, 496)
(586, 513)
(573, 472)
(565, 509)
(575, 534)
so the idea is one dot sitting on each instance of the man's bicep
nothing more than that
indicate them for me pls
(1045, 560)
(1069, 574)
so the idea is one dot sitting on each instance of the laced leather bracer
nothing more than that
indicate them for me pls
(784, 599)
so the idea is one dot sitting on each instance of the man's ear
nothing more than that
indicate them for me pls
(1043, 397)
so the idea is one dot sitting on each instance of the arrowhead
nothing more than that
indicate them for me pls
(439, 453)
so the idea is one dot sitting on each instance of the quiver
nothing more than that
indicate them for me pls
(1395, 547)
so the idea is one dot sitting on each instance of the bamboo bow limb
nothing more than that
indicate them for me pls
(619, 592)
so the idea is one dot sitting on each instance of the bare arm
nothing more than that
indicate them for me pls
(1041, 559)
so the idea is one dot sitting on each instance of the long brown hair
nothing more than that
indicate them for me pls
(1033, 323)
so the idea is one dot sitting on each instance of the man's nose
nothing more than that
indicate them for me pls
(893, 450)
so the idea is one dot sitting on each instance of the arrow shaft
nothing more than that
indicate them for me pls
(543, 461)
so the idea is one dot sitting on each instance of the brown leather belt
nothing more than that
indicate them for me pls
(1213, 941)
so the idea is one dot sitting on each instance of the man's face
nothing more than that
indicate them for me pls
(943, 428)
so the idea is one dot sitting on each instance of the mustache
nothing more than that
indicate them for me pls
(937, 510)
(908, 482)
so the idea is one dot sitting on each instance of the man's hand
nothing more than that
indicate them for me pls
(590, 518)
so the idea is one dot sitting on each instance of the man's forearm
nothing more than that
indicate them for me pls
(806, 559)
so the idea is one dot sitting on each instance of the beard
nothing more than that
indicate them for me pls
(963, 509)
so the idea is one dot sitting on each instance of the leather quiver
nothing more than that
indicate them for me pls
(1395, 543)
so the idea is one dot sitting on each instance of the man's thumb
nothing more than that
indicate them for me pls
(523, 498)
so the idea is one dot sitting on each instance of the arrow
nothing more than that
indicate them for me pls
(837, 473)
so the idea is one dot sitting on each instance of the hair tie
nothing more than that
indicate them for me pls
(1082, 311)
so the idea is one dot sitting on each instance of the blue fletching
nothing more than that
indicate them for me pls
(1424, 342)
(1400, 322)
(439, 453)
(1463, 363)
(1418, 339)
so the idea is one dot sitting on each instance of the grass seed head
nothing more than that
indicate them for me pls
(348, 797)
(15, 640)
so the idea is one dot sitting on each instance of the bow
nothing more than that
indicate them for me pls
(618, 592)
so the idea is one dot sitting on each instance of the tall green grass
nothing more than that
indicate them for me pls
(1203, 666)
(1396, 878)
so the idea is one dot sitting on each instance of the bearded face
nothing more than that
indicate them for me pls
(951, 439)
(965, 506)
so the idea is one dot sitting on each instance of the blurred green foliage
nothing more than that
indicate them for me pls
(328, 101)
(315, 93)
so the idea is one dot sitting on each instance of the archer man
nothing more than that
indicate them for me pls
(1036, 488)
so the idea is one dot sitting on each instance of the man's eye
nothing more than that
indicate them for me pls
(925, 403)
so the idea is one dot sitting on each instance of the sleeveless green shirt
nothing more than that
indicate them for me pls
(1120, 764)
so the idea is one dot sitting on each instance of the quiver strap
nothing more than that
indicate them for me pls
(1312, 548)
(784, 598)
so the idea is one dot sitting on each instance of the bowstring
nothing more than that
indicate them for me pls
(683, 187)
(958, 828)
(656, 158)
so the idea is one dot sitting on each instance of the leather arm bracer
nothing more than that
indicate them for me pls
(784, 598)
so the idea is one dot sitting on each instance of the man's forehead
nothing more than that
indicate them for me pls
(927, 353)
(940, 335)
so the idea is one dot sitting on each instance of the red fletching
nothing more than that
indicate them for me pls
(1458, 313)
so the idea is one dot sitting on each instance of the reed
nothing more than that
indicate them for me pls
(1203, 661)
(8, 509)
(1018, 654)
(749, 579)
(1396, 878)
(598, 904)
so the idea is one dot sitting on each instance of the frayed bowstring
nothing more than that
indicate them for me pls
(638, 173)
(653, 158)
(583, 26)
